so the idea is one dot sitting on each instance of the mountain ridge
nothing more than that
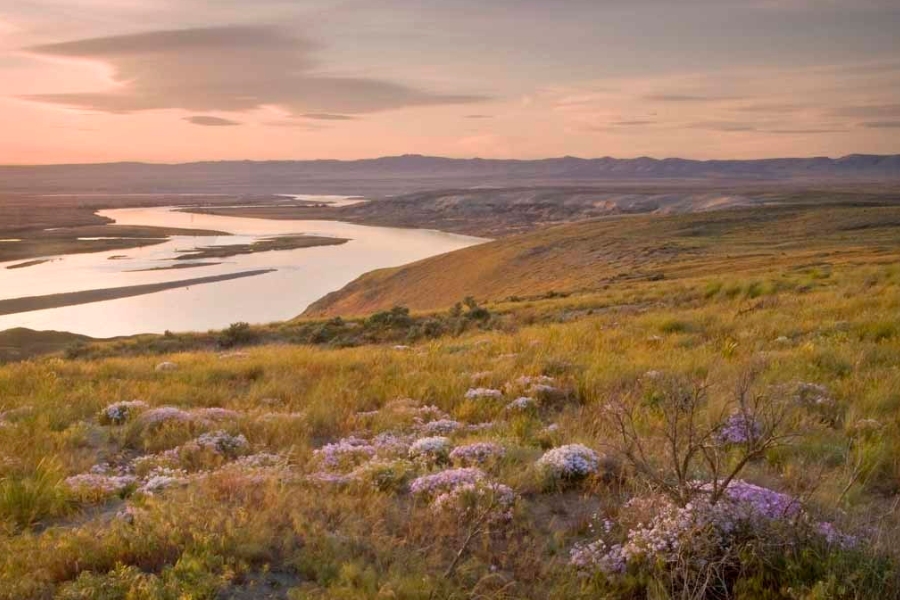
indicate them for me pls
(279, 174)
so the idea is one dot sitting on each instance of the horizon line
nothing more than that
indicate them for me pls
(451, 158)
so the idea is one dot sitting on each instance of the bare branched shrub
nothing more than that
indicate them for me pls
(677, 438)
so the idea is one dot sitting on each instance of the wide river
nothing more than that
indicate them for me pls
(301, 276)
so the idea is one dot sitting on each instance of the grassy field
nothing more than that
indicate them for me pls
(617, 252)
(285, 471)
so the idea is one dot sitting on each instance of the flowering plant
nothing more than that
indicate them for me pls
(483, 393)
(119, 412)
(477, 453)
(430, 485)
(570, 462)
(431, 449)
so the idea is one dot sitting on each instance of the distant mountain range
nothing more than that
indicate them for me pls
(409, 172)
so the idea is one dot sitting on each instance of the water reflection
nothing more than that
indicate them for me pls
(302, 276)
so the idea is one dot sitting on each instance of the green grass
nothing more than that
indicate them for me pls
(285, 535)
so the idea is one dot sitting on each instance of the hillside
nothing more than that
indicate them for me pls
(495, 212)
(413, 172)
(593, 254)
(21, 343)
(497, 463)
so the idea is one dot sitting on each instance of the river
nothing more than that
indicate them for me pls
(299, 278)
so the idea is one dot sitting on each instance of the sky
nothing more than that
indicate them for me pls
(182, 80)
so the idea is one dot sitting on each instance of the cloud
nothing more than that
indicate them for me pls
(327, 117)
(232, 69)
(210, 121)
(633, 123)
(882, 125)
(802, 131)
(682, 98)
(869, 111)
(295, 124)
(724, 126)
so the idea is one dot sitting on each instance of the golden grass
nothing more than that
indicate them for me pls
(833, 325)
(617, 252)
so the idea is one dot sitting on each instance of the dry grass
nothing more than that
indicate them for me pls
(618, 252)
(833, 325)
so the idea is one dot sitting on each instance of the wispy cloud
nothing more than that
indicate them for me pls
(869, 111)
(230, 69)
(327, 117)
(882, 125)
(211, 121)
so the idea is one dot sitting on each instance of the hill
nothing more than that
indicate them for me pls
(593, 254)
(413, 172)
(500, 211)
(556, 453)
(21, 343)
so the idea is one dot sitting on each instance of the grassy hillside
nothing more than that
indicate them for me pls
(616, 251)
(283, 471)
(21, 343)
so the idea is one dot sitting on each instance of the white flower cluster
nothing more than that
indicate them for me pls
(470, 499)
(390, 444)
(215, 413)
(570, 462)
(531, 380)
(657, 532)
(222, 442)
(120, 412)
(477, 453)
(441, 427)
(161, 479)
(521, 404)
(428, 486)
(162, 414)
(435, 448)
(483, 393)
(349, 451)
(99, 484)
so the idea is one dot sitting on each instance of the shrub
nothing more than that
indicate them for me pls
(237, 334)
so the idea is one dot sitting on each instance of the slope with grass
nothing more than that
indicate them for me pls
(21, 343)
(492, 464)
(591, 255)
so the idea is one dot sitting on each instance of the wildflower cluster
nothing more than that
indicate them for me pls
(739, 429)
(477, 453)
(483, 394)
(389, 444)
(222, 442)
(120, 412)
(99, 485)
(570, 462)
(162, 478)
(522, 403)
(163, 414)
(428, 486)
(434, 449)
(658, 532)
(348, 451)
(441, 427)
(215, 413)
(467, 500)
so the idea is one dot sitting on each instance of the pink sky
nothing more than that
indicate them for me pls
(167, 81)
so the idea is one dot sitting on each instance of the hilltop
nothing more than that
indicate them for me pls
(616, 251)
